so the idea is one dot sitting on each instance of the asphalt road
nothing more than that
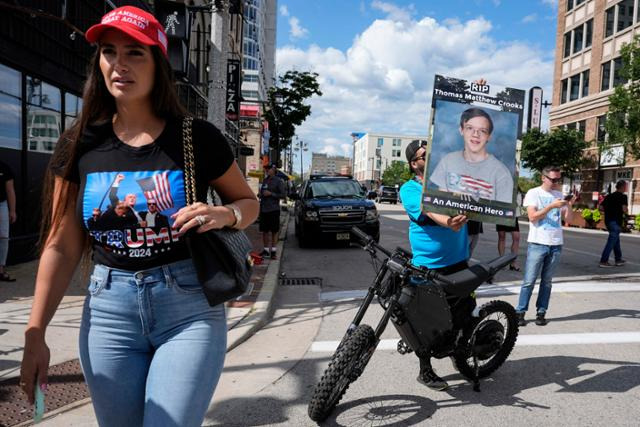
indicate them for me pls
(581, 369)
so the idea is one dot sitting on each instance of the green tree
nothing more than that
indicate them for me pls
(623, 119)
(287, 108)
(526, 184)
(559, 147)
(397, 173)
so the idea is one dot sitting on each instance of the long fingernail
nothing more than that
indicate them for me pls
(43, 387)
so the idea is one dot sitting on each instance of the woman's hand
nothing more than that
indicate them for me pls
(35, 363)
(203, 217)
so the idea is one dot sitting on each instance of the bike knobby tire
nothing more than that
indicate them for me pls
(345, 367)
(463, 359)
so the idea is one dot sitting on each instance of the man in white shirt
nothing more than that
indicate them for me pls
(545, 208)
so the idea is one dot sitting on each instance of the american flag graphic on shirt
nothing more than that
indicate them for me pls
(474, 187)
(157, 188)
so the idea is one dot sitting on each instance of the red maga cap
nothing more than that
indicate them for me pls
(136, 23)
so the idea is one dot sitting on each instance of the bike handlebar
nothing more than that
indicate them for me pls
(369, 242)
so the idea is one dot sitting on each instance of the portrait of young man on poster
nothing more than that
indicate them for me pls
(472, 160)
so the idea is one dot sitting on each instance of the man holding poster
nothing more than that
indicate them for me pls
(438, 242)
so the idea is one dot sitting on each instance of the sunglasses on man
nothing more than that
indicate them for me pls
(553, 180)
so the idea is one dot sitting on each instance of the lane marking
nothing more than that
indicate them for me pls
(523, 340)
(497, 290)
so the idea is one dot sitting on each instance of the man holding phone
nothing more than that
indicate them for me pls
(546, 208)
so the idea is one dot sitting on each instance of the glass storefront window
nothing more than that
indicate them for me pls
(10, 122)
(44, 121)
(72, 107)
(10, 106)
(10, 81)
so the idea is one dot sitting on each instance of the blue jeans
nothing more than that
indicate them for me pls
(613, 243)
(151, 347)
(541, 260)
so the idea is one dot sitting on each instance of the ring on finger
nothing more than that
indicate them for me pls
(201, 219)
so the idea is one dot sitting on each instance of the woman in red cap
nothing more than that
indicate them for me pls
(151, 347)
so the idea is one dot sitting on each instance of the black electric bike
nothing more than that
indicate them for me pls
(435, 315)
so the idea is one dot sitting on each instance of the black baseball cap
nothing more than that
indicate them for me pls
(413, 147)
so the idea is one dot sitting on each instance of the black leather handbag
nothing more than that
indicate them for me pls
(221, 257)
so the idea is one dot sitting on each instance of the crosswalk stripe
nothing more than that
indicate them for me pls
(523, 340)
(498, 290)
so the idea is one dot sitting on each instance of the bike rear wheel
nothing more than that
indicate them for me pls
(346, 365)
(492, 337)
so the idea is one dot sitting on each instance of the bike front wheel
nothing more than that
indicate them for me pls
(346, 365)
(491, 340)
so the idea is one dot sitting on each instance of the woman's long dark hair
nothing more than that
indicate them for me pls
(98, 106)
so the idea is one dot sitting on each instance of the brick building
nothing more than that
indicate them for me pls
(589, 36)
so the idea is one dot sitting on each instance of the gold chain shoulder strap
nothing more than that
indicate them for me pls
(189, 164)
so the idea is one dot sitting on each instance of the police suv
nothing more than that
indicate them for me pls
(328, 206)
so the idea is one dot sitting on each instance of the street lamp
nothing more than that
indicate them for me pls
(302, 146)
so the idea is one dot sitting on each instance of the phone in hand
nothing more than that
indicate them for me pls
(568, 197)
(38, 407)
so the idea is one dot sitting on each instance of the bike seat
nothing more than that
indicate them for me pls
(464, 282)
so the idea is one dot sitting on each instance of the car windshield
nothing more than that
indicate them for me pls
(334, 189)
(389, 189)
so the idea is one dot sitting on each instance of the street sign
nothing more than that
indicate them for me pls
(233, 89)
(535, 108)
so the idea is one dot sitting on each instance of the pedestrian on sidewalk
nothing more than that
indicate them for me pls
(151, 347)
(545, 208)
(515, 241)
(615, 207)
(271, 191)
(438, 242)
(7, 216)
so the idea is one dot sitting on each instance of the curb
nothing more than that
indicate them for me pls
(261, 311)
(589, 230)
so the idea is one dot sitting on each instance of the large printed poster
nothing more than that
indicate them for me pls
(471, 164)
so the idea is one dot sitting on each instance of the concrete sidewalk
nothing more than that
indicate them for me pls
(245, 315)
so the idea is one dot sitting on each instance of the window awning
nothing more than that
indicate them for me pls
(249, 110)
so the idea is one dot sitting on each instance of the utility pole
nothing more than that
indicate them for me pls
(218, 62)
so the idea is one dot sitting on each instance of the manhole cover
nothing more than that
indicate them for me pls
(301, 281)
(66, 385)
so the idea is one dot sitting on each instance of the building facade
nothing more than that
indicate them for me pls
(322, 163)
(374, 152)
(43, 61)
(258, 75)
(589, 36)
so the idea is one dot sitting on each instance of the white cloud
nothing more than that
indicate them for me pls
(530, 18)
(550, 3)
(296, 30)
(284, 11)
(394, 12)
(384, 81)
(496, 3)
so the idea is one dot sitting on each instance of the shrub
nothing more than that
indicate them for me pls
(637, 222)
(587, 214)
(596, 215)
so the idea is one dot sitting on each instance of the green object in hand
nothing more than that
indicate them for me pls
(38, 408)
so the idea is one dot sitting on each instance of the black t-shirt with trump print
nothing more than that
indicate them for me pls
(127, 194)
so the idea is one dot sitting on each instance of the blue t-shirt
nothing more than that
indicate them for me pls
(433, 246)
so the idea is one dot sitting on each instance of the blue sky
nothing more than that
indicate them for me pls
(377, 59)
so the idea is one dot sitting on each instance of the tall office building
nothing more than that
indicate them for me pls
(587, 68)
(322, 163)
(258, 75)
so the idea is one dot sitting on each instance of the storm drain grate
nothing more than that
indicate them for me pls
(66, 385)
(301, 281)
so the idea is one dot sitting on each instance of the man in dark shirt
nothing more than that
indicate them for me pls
(615, 208)
(271, 191)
